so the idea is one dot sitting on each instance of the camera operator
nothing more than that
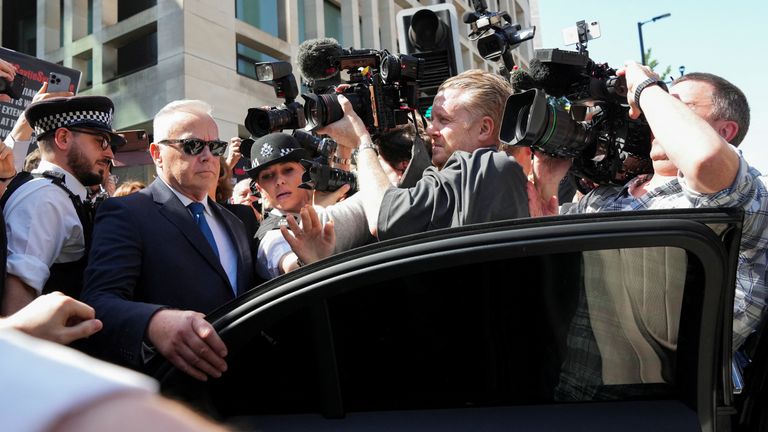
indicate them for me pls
(694, 166)
(472, 183)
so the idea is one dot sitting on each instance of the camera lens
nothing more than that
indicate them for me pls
(530, 121)
(260, 122)
(321, 110)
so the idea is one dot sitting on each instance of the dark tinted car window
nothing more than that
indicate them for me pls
(597, 325)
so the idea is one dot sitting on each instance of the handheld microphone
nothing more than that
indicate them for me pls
(316, 56)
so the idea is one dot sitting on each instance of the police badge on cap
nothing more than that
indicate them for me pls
(88, 112)
(274, 148)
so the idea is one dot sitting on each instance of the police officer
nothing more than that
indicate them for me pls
(47, 218)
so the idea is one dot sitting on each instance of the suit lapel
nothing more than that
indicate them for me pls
(173, 210)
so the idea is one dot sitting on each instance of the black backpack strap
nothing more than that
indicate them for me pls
(85, 210)
(20, 179)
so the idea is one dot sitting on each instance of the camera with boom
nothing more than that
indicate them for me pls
(573, 107)
(382, 87)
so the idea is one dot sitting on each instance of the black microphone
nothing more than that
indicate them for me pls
(554, 79)
(521, 81)
(317, 58)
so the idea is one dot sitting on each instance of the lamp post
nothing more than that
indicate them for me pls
(640, 32)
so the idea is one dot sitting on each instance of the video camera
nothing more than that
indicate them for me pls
(495, 34)
(575, 108)
(382, 87)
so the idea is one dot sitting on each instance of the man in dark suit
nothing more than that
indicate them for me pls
(163, 257)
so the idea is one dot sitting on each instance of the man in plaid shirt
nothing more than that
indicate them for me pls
(696, 126)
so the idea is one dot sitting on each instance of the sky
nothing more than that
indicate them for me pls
(726, 38)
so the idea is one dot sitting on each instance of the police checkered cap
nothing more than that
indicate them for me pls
(99, 119)
(92, 112)
(274, 148)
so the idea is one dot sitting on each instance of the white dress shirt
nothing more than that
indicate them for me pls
(225, 244)
(42, 227)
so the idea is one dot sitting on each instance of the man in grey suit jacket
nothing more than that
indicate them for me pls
(163, 257)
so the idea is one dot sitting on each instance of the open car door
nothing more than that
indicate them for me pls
(592, 322)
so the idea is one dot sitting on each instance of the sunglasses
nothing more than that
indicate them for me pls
(105, 139)
(194, 146)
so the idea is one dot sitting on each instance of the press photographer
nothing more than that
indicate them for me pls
(694, 166)
(472, 183)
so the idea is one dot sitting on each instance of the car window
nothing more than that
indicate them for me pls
(551, 328)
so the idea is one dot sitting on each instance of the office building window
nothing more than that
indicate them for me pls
(129, 8)
(20, 26)
(333, 21)
(246, 57)
(137, 54)
(262, 14)
(302, 22)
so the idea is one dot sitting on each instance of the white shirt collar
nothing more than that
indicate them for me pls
(185, 200)
(72, 183)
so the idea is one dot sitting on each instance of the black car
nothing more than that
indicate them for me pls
(615, 321)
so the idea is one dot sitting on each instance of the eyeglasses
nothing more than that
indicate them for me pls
(194, 146)
(103, 142)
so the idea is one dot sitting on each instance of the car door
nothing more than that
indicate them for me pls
(589, 322)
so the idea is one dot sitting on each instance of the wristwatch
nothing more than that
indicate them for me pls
(367, 145)
(649, 82)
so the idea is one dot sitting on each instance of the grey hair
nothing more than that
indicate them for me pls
(190, 106)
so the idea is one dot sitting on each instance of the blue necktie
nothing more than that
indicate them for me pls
(198, 212)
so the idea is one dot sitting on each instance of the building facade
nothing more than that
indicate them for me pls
(145, 53)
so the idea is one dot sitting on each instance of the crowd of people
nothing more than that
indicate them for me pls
(133, 277)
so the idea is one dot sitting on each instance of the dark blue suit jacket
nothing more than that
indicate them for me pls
(148, 253)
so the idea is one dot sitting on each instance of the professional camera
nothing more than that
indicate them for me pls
(495, 34)
(382, 87)
(290, 115)
(318, 174)
(576, 108)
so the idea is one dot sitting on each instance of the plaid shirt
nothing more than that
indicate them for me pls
(749, 192)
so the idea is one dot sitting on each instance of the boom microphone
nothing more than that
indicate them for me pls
(315, 58)
(521, 81)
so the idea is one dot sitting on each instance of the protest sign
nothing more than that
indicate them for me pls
(36, 72)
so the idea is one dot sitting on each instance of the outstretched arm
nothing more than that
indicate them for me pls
(373, 182)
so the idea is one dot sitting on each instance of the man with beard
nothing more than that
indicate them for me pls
(47, 218)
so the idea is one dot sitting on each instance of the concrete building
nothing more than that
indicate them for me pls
(145, 53)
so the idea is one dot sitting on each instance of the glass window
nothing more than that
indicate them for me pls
(137, 54)
(333, 21)
(19, 26)
(129, 8)
(302, 21)
(90, 17)
(246, 57)
(582, 326)
(261, 14)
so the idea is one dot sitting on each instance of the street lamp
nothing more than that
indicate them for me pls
(640, 32)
